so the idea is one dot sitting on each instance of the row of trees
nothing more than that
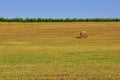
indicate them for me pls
(2, 19)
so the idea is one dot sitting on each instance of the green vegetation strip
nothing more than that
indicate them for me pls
(2, 19)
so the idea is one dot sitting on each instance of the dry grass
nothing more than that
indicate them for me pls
(52, 51)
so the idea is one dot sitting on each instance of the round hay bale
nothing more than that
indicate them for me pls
(83, 34)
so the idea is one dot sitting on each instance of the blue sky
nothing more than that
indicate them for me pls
(60, 8)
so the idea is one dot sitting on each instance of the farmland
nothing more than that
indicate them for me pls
(54, 51)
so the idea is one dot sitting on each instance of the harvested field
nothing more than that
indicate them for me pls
(54, 51)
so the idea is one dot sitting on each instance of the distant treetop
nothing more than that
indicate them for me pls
(2, 19)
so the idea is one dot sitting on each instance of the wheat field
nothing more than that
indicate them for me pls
(54, 51)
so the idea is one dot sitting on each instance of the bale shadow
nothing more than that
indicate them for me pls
(78, 37)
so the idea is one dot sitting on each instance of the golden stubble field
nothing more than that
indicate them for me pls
(53, 51)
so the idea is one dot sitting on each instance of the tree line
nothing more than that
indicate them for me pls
(2, 19)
